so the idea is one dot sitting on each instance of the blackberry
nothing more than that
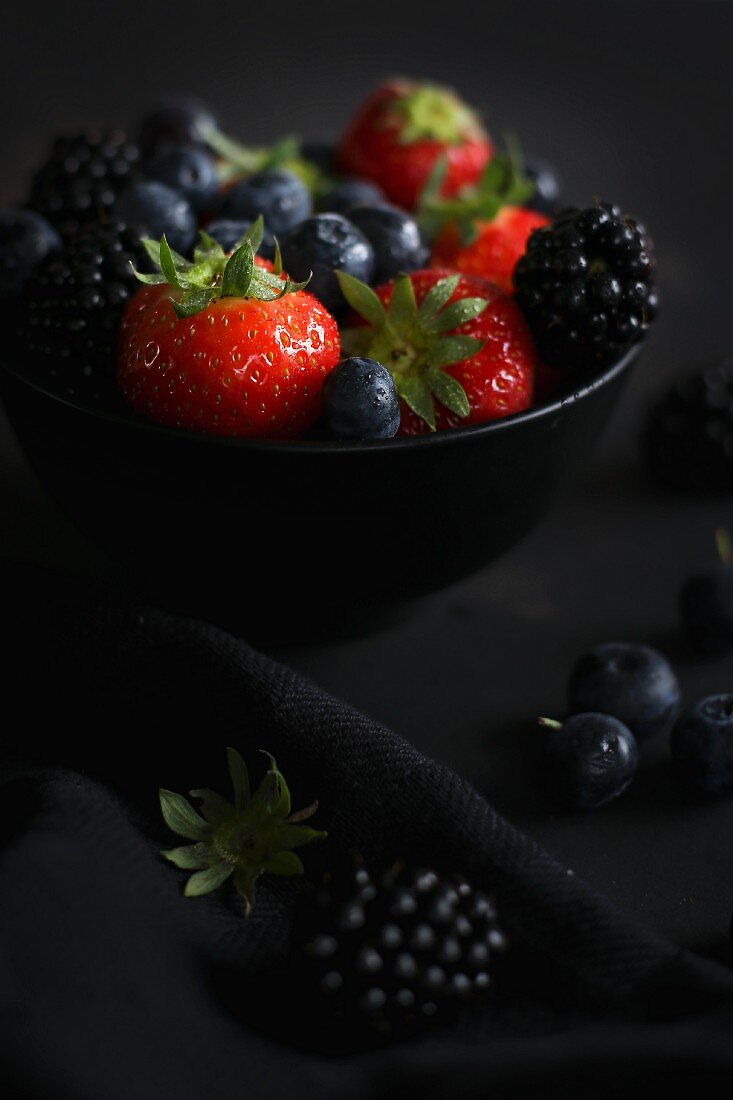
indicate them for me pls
(83, 175)
(394, 953)
(586, 286)
(74, 301)
(688, 435)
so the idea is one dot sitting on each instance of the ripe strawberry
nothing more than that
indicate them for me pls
(446, 338)
(224, 345)
(496, 248)
(481, 231)
(402, 129)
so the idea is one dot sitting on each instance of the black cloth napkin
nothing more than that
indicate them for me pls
(111, 982)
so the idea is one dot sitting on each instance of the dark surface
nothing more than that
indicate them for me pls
(632, 102)
(115, 985)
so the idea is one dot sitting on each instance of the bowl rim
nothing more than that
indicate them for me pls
(339, 446)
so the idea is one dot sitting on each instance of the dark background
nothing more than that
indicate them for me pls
(632, 102)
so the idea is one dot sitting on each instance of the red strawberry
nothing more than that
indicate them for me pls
(483, 230)
(458, 349)
(224, 345)
(495, 249)
(402, 129)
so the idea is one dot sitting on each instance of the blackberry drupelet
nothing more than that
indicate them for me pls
(688, 435)
(396, 952)
(74, 301)
(84, 173)
(586, 286)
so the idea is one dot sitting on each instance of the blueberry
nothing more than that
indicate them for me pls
(25, 239)
(188, 170)
(321, 245)
(352, 191)
(227, 233)
(320, 153)
(702, 746)
(175, 121)
(360, 401)
(154, 209)
(589, 760)
(281, 198)
(395, 238)
(548, 193)
(634, 683)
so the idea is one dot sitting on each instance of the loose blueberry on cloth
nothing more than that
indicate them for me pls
(115, 985)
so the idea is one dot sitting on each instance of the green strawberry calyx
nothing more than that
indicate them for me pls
(239, 840)
(502, 183)
(237, 161)
(415, 343)
(428, 112)
(214, 274)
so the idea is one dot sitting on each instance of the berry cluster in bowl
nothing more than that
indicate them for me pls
(413, 277)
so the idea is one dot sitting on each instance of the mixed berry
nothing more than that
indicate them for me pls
(414, 242)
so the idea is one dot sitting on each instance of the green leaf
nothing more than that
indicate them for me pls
(193, 301)
(254, 234)
(213, 807)
(149, 280)
(237, 276)
(190, 857)
(244, 882)
(284, 863)
(204, 882)
(296, 836)
(240, 778)
(153, 249)
(448, 391)
(457, 313)
(168, 267)
(438, 296)
(402, 312)
(445, 350)
(362, 299)
(416, 394)
(302, 815)
(181, 817)
(277, 263)
(272, 795)
(434, 183)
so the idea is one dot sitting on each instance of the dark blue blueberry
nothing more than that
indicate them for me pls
(281, 198)
(320, 153)
(702, 746)
(349, 192)
(188, 170)
(589, 760)
(634, 683)
(322, 245)
(227, 233)
(395, 238)
(706, 611)
(25, 239)
(175, 121)
(548, 193)
(360, 401)
(152, 209)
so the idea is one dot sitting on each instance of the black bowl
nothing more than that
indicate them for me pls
(293, 539)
